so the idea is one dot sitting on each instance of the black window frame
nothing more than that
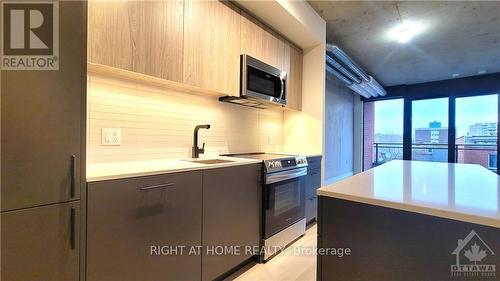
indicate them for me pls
(452, 89)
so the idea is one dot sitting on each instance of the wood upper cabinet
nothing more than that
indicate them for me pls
(197, 43)
(261, 43)
(212, 46)
(109, 39)
(140, 36)
(294, 78)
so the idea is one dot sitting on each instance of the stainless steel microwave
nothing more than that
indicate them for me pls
(260, 84)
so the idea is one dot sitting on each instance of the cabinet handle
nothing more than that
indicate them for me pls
(72, 228)
(156, 186)
(73, 177)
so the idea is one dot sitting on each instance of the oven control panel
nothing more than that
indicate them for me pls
(285, 164)
(274, 164)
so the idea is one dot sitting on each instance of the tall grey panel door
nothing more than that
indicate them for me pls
(41, 117)
(232, 208)
(127, 217)
(41, 243)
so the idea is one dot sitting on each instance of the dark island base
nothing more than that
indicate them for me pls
(393, 245)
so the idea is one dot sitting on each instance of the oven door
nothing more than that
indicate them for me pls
(262, 81)
(284, 200)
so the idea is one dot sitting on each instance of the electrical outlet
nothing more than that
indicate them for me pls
(270, 140)
(111, 136)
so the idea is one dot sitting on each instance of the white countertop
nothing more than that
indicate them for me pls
(127, 169)
(463, 192)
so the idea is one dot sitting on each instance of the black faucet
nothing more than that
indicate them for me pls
(196, 150)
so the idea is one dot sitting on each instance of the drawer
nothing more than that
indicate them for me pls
(314, 162)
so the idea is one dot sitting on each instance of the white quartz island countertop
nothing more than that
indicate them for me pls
(463, 192)
(127, 169)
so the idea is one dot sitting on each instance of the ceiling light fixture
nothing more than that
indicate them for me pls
(405, 31)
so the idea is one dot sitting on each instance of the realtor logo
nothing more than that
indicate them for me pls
(30, 35)
(473, 258)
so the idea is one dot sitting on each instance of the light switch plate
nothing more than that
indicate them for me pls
(111, 136)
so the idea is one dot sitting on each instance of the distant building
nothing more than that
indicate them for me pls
(433, 134)
(425, 143)
(479, 145)
(435, 124)
(483, 129)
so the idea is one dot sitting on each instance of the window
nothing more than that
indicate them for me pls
(492, 161)
(427, 124)
(430, 130)
(383, 132)
(476, 130)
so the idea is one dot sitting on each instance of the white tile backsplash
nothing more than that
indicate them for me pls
(158, 123)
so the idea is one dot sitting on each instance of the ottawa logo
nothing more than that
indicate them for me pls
(473, 258)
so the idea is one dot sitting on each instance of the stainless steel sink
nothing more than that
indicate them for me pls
(211, 161)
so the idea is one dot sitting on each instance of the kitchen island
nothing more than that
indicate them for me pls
(411, 220)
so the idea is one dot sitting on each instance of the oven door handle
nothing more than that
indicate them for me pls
(285, 175)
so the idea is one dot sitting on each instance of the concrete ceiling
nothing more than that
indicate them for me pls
(460, 37)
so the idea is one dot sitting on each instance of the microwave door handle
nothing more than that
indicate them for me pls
(282, 80)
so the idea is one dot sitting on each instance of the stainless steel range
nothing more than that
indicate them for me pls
(283, 200)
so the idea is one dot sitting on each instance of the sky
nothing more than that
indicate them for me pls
(469, 110)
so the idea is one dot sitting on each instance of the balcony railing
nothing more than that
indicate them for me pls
(385, 152)
(482, 154)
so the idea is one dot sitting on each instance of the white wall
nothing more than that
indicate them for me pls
(304, 130)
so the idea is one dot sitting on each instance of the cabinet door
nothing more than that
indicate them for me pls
(212, 46)
(313, 182)
(311, 209)
(110, 34)
(140, 36)
(261, 43)
(41, 243)
(41, 121)
(157, 38)
(232, 200)
(294, 78)
(129, 220)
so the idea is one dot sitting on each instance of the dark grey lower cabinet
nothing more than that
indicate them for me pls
(41, 243)
(231, 216)
(313, 182)
(311, 209)
(142, 228)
